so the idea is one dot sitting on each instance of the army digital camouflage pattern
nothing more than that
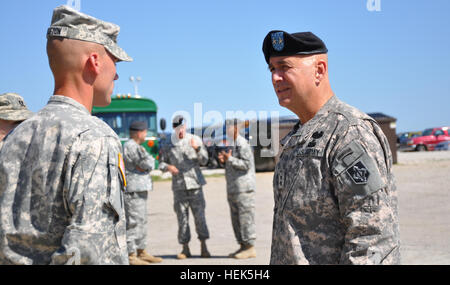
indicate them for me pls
(136, 156)
(194, 199)
(181, 154)
(187, 184)
(72, 24)
(136, 215)
(13, 108)
(61, 194)
(240, 168)
(335, 197)
(138, 183)
(241, 184)
(242, 209)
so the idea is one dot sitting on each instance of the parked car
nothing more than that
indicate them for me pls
(402, 139)
(445, 145)
(429, 139)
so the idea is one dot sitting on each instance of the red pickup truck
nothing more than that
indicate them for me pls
(429, 139)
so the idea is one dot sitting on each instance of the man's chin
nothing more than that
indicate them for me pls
(104, 102)
(284, 102)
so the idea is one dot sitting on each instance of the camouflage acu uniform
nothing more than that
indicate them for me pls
(138, 184)
(240, 177)
(13, 109)
(61, 190)
(187, 184)
(335, 198)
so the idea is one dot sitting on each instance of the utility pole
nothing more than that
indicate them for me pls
(135, 82)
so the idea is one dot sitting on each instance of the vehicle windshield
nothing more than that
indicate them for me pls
(427, 132)
(120, 122)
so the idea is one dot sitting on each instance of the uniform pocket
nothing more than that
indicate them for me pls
(307, 183)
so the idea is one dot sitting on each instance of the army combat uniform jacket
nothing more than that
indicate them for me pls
(61, 191)
(335, 197)
(136, 155)
(240, 168)
(182, 155)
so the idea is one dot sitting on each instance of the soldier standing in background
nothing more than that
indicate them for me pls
(335, 197)
(182, 157)
(61, 171)
(240, 177)
(138, 164)
(13, 111)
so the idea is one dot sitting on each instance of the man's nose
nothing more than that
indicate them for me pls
(116, 77)
(276, 77)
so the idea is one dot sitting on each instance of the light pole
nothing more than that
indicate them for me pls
(135, 82)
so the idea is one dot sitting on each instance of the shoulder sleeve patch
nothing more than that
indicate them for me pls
(122, 170)
(357, 171)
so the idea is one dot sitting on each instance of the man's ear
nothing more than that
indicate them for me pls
(321, 71)
(94, 63)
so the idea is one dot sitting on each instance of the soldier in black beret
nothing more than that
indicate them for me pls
(335, 197)
(182, 157)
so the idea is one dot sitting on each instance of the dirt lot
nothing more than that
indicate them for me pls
(423, 183)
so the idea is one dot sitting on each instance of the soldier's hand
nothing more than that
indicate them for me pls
(221, 158)
(227, 154)
(172, 169)
(194, 144)
(140, 169)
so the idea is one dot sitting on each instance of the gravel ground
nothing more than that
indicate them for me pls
(423, 183)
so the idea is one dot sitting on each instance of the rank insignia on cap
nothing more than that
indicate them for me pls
(359, 173)
(122, 170)
(277, 41)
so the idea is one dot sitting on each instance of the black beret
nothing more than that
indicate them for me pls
(138, 126)
(177, 121)
(280, 43)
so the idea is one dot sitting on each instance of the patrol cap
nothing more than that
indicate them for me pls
(177, 121)
(138, 126)
(13, 108)
(72, 24)
(280, 43)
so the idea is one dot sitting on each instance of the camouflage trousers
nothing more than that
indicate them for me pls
(193, 199)
(136, 216)
(242, 209)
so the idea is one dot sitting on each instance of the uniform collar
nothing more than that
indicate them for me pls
(59, 99)
(323, 112)
(304, 130)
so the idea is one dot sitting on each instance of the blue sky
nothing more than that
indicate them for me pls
(395, 61)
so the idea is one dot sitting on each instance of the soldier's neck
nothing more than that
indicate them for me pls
(82, 94)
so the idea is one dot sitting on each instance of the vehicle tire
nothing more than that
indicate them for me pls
(421, 148)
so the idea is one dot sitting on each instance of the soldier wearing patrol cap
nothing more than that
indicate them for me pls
(182, 157)
(335, 196)
(13, 111)
(62, 172)
(138, 164)
(240, 177)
